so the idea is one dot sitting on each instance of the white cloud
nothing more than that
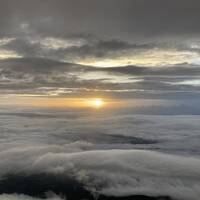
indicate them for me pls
(156, 57)
(119, 172)
(4, 54)
(58, 43)
(6, 40)
(79, 144)
(195, 83)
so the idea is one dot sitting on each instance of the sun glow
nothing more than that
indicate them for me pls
(97, 103)
(42, 101)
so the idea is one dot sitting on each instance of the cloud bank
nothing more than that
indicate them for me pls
(119, 156)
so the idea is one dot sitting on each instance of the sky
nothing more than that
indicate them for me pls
(115, 50)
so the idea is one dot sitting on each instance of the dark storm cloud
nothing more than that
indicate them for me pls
(23, 47)
(183, 69)
(129, 18)
(102, 48)
(91, 47)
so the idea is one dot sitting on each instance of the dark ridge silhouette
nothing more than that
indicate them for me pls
(40, 185)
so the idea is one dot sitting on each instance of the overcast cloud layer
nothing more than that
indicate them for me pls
(113, 48)
(127, 18)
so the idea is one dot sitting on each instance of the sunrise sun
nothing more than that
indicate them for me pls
(97, 103)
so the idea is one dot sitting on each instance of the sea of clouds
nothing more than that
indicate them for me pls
(109, 154)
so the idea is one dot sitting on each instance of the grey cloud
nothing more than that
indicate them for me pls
(133, 19)
(43, 77)
(24, 47)
(183, 69)
(106, 48)
(93, 47)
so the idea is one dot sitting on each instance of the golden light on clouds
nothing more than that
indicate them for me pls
(4, 54)
(34, 101)
(75, 103)
(96, 103)
(150, 58)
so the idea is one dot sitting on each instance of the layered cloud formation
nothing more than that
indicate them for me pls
(44, 77)
(66, 151)
(88, 66)
(53, 50)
